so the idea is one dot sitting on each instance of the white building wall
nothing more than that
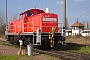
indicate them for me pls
(75, 32)
(85, 34)
(68, 34)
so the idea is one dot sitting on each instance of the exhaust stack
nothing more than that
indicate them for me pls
(47, 10)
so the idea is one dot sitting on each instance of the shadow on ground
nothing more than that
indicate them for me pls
(69, 46)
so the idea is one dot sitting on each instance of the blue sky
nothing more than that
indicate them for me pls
(75, 8)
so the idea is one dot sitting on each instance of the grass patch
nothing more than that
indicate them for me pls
(4, 42)
(25, 57)
(78, 40)
(8, 58)
(69, 46)
(74, 47)
(76, 43)
(85, 49)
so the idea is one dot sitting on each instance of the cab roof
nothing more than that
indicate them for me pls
(33, 10)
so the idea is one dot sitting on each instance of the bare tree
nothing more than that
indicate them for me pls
(84, 22)
(87, 24)
(2, 17)
(2, 22)
(14, 17)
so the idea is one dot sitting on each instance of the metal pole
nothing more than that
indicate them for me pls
(6, 17)
(64, 13)
(64, 23)
(64, 17)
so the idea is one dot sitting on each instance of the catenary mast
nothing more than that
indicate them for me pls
(64, 22)
(6, 17)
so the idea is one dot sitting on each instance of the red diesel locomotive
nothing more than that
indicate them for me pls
(35, 27)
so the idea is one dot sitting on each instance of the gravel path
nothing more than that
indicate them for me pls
(6, 50)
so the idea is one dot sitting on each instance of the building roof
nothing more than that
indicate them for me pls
(77, 24)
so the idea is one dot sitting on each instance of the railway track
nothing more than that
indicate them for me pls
(64, 55)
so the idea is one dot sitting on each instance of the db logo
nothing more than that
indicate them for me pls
(48, 15)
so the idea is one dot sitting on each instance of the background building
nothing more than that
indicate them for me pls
(77, 29)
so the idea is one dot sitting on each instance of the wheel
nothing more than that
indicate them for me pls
(45, 43)
(27, 41)
(56, 41)
(11, 39)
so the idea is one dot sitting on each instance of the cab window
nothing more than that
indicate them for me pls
(29, 13)
(38, 12)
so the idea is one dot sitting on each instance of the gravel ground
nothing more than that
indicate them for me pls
(6, 50)
(10, 51)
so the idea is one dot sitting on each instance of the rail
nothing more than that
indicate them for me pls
(64, 55)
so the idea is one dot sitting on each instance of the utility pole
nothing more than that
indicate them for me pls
(67, 26)
(64, 23)
(6, 17)
(87, 24)
(64, 18)
(64, 13)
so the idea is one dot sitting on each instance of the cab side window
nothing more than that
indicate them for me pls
(38, 12)
(29, 14)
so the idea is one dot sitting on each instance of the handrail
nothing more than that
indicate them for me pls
(31, 26)
(13, 29)
(57, 25)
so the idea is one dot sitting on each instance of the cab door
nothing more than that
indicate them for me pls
(25, 24)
